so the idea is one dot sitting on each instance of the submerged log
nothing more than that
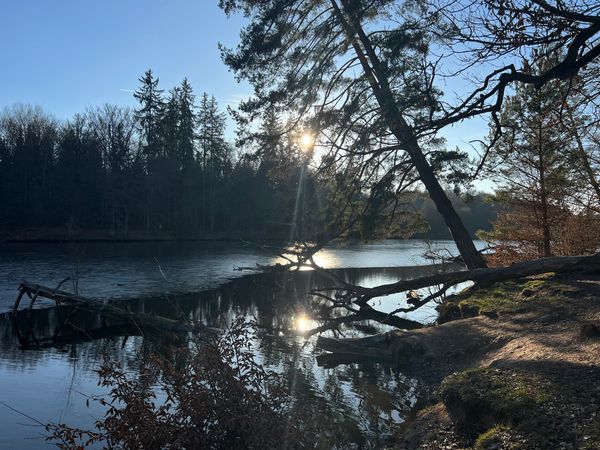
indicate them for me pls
(28, 340)
(139, 320)
(378, 347)
(416, 349)
(394, 346)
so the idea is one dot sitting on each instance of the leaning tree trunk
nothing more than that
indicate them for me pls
(471, 257)
(405, 134)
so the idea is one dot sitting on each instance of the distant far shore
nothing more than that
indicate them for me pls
(55, 236)
(62, 235)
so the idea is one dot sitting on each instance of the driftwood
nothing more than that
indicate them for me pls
(106, 310)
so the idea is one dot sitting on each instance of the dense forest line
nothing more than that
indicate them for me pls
(165, 170)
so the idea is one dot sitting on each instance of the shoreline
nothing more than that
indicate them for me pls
(100, 236)
(511, 366)
(45, 238)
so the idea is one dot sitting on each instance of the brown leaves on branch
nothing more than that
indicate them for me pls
(213, 395)
(518, 235)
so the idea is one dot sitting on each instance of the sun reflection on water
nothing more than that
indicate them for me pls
(302, 323)
(324, 258)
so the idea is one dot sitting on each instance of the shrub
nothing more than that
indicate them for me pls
(212, 394)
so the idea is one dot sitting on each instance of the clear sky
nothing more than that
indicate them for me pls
(66, 55)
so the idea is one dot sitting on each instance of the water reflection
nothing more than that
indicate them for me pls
(302, 323)
(357, 402)
(126, 270)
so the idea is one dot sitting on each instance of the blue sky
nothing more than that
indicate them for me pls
(66, 55)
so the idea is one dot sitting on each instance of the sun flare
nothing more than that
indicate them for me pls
(302, 323)
(307, 141)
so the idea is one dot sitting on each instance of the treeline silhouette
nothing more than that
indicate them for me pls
(478, 211)
(162, 170)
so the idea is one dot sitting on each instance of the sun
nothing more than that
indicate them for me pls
(307, 140)
(302, 323)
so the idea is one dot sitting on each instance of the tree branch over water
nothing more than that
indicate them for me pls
(366, 77)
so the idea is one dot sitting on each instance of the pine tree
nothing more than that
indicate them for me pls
(187, 123)
(149, 117)
(533, 167)
(214, 155)
(211, 133)
(170, 125)
(149, 114)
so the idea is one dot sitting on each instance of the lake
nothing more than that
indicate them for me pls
(197, 280)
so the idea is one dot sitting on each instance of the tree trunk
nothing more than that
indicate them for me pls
(544, 198)
(405, 134)
(488, 276)
(471, 257)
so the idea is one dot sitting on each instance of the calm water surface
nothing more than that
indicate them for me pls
(197, 280)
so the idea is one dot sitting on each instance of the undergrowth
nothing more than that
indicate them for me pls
(210, 395)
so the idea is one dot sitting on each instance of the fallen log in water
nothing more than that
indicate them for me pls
(106, 310)
(414, 349)
(348, 295)
(68, 335)
(459, 337)
(377, 347)
(489, 276)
